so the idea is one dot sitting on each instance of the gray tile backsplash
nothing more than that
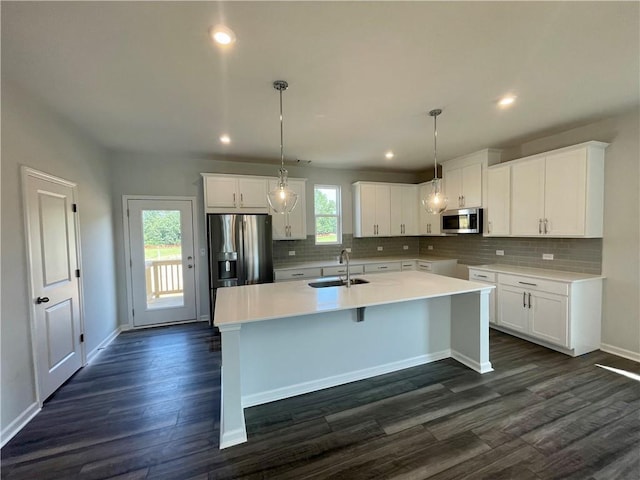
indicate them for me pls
(308, 251)
(570, 254)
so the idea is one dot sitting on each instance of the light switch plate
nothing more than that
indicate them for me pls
(500, 252)
(405, 247)
(429, 247)
(380, 249)
(348, 249)
(547, 256)
(292, 253)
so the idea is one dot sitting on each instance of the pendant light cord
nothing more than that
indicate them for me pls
(281, 134)
(434, 113)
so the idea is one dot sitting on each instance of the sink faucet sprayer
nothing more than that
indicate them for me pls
(344, 258)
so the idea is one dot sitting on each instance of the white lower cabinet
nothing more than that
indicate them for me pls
(382, 267)
(563, 315)
(439, 267)
(283, 275)
(342, 270)
(490, 278)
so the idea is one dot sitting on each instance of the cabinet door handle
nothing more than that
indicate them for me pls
(527, 283)
(489, 226)
(529, 300)
(241, 199)
(546, 226)
(463, 200)
(524, 299)
(234, 199)
(540, 226)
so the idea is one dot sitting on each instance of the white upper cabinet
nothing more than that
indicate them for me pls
(464, 178)
(559, 193)
(527, 197)
(371, 209)
(498, 206)
(235, 194)
(291, 226)
(429, 223)
(404, 209)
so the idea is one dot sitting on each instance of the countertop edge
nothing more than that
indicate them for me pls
(544, 274)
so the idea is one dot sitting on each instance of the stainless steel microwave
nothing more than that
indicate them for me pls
(464, 220)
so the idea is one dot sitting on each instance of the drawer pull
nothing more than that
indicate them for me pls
(481, 276)
(382, 268)
(297, 274)
(527, 283)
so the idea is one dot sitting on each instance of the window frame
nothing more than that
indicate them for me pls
(337, 216)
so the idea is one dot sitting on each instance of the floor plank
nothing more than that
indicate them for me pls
(149, 406)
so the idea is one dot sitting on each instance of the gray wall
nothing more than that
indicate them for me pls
(143, 174)
(32, 135)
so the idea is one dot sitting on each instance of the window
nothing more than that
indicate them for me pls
(327, 209)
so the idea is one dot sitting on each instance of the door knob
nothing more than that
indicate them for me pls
(42, 300)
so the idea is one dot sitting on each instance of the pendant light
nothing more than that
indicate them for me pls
(281, 198)
(435, 202)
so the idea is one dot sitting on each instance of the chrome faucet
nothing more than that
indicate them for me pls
(344, 258)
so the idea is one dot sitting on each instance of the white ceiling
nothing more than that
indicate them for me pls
(143, 76)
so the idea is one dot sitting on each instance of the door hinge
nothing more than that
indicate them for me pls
(78, 273)
(130, 263)
(133, 312)
(74, 207)
(127, 212)
(82, 338)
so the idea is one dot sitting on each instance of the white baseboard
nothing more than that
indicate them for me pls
(620, 352)
(472, 364)
(18, 424)
(124, 327)
(110, 338)
(204, 318)
(327, 382)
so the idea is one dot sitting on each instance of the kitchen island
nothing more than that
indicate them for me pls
(286, 339)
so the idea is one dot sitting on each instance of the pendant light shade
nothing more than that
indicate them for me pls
(281, 198)
(435, 202)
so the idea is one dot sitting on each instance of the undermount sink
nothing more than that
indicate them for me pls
(337, 283)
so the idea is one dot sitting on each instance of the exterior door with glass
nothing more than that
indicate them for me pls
(162, 260)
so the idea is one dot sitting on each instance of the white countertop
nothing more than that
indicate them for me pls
(358, 261)
(537, 273)
(252, 303)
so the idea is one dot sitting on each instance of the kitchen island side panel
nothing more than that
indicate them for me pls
(290, 356)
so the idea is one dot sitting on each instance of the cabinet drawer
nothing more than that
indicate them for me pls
(282, 275)
(408, 265)
(425, 266)
(530, 283)
(482, 276)
(383, 267)
(342, 270)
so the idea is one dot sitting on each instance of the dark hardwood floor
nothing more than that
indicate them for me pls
(148, 407)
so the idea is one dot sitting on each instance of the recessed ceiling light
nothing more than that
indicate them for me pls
(225, 139)
(222, 35)
(506, 101)
(389, 155)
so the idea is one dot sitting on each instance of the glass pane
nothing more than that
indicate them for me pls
(326, 230)
(326, 201)
(163, 258)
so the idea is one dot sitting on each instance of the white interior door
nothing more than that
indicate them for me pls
(162, 261)
(51, 236)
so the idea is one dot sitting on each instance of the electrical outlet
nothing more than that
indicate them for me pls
(405, 247)
(348, 249)
(380, 249)
(429, 247)
(500, 252)
(292, 253)
(547, 256)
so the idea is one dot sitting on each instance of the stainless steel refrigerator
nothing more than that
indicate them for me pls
(240, 252)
